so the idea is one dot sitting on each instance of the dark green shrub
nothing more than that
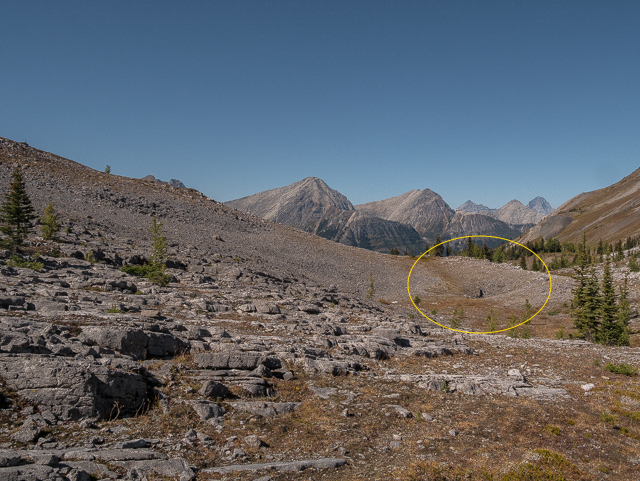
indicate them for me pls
(626, 369)
(15, 261)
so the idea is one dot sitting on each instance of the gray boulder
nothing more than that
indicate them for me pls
(134, 342)
(235, 360)
(73, 388)
(213, 389)
(267, 307)
(207, 410)
(266, 409)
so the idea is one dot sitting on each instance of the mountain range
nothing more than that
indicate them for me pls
(405, 222)
(311, 205)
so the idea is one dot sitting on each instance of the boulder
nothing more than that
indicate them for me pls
(267, 307)
(266, 409)
(235, 360)
(207, 410)
(76, 388)
(214, 389)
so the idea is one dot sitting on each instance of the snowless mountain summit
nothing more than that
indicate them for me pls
(311, 205)
(541, 205)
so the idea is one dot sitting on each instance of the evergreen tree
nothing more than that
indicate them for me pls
(523, 262)
(438, 251)
(633, 264)
(16, 213)
(486, 252)
(535, 265)
(371, 292)
(159, 247)
(541, 245)
(624, 315)
(468, 250)
(498, 256)
(50, 222)
(608, 332)
(619, 251)
(629, 243)
(585, 294)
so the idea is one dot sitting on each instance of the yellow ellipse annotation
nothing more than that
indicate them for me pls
(475, 332)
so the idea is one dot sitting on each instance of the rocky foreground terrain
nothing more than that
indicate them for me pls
(268, 356)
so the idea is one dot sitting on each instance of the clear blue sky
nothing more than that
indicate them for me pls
(481, 100)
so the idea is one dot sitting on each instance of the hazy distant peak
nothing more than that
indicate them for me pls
(470, 206)
(541, 205)
(515, 212)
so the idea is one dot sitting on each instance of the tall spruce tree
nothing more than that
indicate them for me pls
(438, 251)
(624, 314)
(609, 331)
(16, 212)
(584, 306)
(523, 262)
(468, 250)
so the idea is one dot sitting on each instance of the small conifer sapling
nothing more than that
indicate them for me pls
(50, 223)
(371, 292)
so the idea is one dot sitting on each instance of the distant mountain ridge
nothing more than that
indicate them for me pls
(515, 212)
(470, 206)
(610, 214)
(519, 216)
(405, 222)
(311, 205)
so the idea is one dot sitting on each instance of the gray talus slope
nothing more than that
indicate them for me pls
(469, 223)
(121, 208)
(425, 210)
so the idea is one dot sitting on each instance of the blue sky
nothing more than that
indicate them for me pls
(487, 101)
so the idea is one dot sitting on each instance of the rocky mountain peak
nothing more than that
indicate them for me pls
(424, 209)
(540, 204)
